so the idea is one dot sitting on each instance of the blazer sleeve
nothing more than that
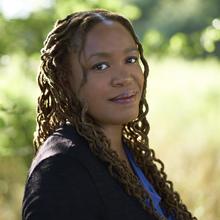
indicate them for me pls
(61, 188)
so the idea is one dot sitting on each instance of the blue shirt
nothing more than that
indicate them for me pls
(146, 184)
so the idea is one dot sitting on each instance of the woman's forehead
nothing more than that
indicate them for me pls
(108, 37)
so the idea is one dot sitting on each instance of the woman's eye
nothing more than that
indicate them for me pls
(100, 66)
(132, 60)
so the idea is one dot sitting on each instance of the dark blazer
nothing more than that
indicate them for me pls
(67, 182)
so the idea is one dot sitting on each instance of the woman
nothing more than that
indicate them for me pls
(92, 155)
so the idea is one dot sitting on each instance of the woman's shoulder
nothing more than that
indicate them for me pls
(56, 161)
(57, 164)
(58, 186)
(62, 168)
(58, 148)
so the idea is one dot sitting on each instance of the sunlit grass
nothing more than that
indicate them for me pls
(184, 101)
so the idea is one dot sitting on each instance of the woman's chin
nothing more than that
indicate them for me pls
(124, 119)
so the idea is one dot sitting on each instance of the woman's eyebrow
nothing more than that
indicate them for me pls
(131, 49)
(100, 54)
(108, 54)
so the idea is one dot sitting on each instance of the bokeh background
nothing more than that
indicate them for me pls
(182, 45)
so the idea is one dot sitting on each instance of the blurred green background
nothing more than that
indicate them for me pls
(182, 45)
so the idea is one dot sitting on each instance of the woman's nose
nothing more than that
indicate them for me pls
(121, 78)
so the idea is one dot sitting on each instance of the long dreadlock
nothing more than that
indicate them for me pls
(57, 105)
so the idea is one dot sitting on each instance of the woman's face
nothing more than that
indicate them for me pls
(114, 76)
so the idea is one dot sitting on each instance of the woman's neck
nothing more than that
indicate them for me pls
(114, 134)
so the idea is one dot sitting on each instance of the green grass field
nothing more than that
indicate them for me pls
(184, 102)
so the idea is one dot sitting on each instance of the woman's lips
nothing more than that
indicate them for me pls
(125, 97)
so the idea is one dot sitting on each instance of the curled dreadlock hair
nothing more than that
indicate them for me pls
(57, 105)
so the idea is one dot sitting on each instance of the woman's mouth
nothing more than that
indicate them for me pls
(126, 97)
